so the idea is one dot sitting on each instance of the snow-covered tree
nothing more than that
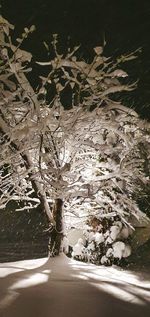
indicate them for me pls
(84, 158)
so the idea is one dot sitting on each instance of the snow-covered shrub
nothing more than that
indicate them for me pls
(78, 250)
(108, 242)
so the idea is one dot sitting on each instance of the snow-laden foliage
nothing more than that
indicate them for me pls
(107, 241)
(89, 153)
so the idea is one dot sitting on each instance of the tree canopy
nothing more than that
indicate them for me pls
(88, 151)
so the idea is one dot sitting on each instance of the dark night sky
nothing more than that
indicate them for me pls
(125, 24)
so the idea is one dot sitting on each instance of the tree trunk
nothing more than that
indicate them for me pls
(56, 233)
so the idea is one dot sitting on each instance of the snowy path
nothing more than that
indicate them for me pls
(61, 287)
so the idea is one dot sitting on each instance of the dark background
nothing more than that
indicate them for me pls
(125, 24)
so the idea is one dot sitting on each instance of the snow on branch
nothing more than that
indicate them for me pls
(90, 151)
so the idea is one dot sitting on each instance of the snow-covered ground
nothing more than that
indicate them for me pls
(62, 287)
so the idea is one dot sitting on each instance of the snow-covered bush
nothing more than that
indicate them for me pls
(108, 242)
(78, 250)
